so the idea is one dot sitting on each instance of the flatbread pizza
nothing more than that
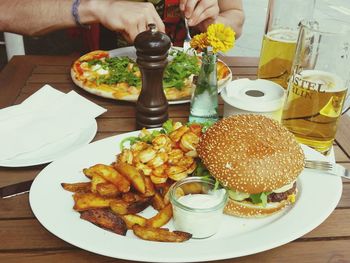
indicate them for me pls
(120, 78)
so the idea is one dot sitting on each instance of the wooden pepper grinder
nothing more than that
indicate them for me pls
(152, 51)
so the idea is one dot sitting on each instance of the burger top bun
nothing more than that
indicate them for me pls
(251, 153)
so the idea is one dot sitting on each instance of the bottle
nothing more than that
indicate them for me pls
(204, 101)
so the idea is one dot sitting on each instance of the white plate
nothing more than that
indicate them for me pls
(55, 150)
(317, 197)
(131, 53)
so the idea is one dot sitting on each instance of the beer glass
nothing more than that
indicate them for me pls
(281, 33)
(318, 85)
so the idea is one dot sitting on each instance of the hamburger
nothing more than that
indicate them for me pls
(256, 159)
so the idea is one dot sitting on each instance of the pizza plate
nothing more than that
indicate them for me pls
(131, 53)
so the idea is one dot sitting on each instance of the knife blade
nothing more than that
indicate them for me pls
(15, 189)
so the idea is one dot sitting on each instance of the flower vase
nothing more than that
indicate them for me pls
(204, 101)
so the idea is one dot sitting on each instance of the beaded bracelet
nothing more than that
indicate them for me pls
(75, 14)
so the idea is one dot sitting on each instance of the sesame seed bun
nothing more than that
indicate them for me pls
(247, 209)
(251, 154)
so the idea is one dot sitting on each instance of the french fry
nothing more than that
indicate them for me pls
(110, 175)
(161, 218)
(95, 180)
(86, 201)
(157, 202)
(107, 189)
(77, 187)
(150, 191)
(131, 220)
(105, 219)
(119, 207)
(160, 234)
(132, 174)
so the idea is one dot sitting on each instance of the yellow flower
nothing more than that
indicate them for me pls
(199, 42)
(220, 37)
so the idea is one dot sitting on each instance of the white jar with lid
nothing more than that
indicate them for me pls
(259, 96)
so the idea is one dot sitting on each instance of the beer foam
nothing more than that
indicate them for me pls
(283, 35)
(330, 82)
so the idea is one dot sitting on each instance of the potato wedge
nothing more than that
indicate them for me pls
(161, 218)
(106, 219)
(110, 175)
(157, 202)
(150, 191)
(86, 201)
(95, 180)
(133, 175)
(160, 234)
(192, 188)
(88, 172)
(107, 189)
(119, 207)
(131, 220)
(77, 187)
(139, 206)
(178, 192)
(131, 197)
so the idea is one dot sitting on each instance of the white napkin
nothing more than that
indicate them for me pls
(44, 118)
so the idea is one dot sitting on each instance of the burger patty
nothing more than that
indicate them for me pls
(278, 197)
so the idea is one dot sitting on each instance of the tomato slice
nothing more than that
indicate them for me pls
(101, 55)
(79, 69)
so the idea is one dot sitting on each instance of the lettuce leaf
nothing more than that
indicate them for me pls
(259, 198)
(168, 126)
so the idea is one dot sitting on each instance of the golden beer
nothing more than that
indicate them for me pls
(277, 55)
(313, 106)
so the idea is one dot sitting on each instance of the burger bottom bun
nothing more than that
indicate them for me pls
(247, 209)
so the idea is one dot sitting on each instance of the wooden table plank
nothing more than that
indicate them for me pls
(331, 227)
(30, 234)
(340, 155)
(317, 251)
(10, 82)
(343, 134)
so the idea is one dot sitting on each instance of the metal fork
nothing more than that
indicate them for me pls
(332, 168)
(187, 45)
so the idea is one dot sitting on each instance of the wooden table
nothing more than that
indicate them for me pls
(23, 239)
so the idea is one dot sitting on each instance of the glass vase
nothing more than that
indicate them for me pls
(204, 102)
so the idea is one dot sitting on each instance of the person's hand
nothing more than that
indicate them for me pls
(129, 18)
(198, 11)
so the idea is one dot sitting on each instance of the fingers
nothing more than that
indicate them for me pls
(189, 7)
(199, 10)
(182, 5)
(130, 18)
(158, 21)
(201, 14)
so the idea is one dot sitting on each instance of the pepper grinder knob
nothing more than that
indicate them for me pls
(152, 49)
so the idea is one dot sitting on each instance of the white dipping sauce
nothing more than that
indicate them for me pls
(202, 221)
